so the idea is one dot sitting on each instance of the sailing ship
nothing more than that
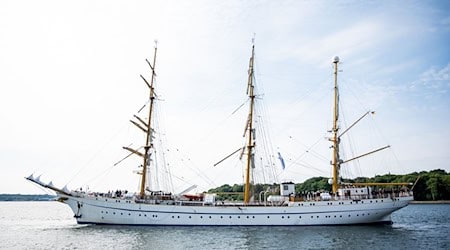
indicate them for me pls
(347, 203)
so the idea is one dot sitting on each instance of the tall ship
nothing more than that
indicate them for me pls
(345, 204)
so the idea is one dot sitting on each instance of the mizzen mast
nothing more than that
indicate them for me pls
(249, 126)
(336, 161)
(148, 141)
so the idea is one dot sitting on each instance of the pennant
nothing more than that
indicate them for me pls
(281, 160)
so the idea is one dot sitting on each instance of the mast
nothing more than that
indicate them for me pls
(250, 143)
(148, 141)
(335, 138)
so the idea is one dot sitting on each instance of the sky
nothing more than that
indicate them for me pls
(69, 83)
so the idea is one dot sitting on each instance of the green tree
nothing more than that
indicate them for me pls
(432, 185)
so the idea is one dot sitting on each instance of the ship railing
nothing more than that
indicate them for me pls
(189, 203)
(121, 196)
(373, 195)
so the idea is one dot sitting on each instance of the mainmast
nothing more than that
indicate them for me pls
(250, 143)
(148, 141)
(335, 137)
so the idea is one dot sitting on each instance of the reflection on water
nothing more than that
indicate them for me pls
(48, 225)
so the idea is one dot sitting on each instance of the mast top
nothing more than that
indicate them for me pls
(336, 59)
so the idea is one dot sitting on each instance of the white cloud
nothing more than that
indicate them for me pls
(434, 82)
(70, 74)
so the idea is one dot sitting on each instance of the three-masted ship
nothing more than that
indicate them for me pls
(345, 204)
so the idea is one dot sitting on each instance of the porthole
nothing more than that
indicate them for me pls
(289, 217)
(248, 217)
(239, 217)
(282, 217)
(190, 217)
(129, 214)
(221, 217)
(173, 217)
(230, 217)
(145, 215)
(121, 213)
(268, 217)
(210, 217)
(299, 217)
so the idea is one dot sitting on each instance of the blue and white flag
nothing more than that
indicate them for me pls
(281, 160)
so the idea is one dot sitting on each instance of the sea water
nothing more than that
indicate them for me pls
(50, 225)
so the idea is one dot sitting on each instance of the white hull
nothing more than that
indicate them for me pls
(92, 210)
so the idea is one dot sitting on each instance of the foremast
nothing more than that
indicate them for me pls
(249, 130)
(335, 137)
(148, 137)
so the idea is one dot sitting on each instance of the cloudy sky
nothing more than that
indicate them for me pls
(69, 83)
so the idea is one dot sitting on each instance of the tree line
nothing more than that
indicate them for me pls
(428, 185)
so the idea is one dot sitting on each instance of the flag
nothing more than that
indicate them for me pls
(281, 160)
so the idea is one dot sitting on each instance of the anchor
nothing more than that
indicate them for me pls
(77, 214)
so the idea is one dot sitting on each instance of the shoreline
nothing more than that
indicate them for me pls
(430, 202)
